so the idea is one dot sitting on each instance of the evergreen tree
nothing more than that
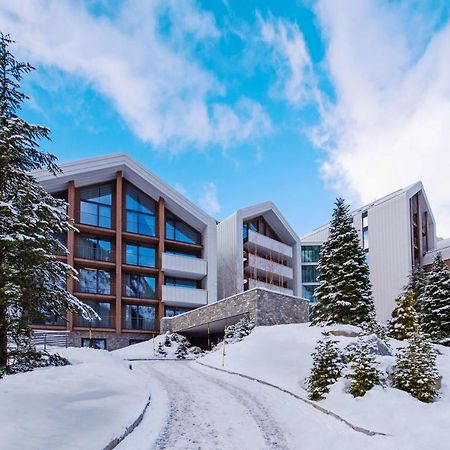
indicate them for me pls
(167, 340)
(416, 283)
(326, 369)
(239, 330)
(344, 295)
(31, 280)
(415, 370)
(161, 350)
(404, 317)
(435, 303)
(363, 374)
(182, 350)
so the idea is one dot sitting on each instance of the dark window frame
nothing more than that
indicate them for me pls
(97, 205)
(128, 189)
(83, 340)
(91, 269)
(138, 247)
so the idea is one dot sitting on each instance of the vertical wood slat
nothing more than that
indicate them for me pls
(70, 245)
(161, 237)
(118, 258)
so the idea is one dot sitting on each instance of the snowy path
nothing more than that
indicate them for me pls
(197, 408)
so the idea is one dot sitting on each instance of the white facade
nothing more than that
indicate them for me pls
(254, 259)
(395, 236)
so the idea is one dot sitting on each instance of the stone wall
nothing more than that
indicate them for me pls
(263, 306)
(114, 341)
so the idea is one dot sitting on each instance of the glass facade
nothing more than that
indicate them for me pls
(139, 317)
(48, 318)
(140, 255)
(310, 253)
(171, 311)
(94, 281)
(365, 231)
(309, 274)
(308, 292)
(140, 212)
(181, 282)
(140, 286)
(95, 206)
(94, 248)
(177, 230)
(103, 309)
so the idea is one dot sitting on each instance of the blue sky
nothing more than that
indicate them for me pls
(235, 103)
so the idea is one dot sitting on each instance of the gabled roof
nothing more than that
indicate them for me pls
(104, 168)
(408, 191)
(274, 218)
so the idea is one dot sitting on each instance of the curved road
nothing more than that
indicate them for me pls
(194, 407)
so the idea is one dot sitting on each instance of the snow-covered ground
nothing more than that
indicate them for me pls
(82, 406)
(281, 355)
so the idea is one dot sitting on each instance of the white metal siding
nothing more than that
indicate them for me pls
(179, 296)
(184, 266)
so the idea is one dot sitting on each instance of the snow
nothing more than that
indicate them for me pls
(281, 355)
(81, 406)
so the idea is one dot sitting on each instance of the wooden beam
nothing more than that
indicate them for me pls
(70, 244)
(161, 235)
(118, 258)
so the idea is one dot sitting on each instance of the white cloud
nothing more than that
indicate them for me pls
(291, 57)
(147, 70)
(208, 199)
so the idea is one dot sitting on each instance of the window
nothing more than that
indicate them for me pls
(254, 225)
(94, 281)
(140, 286)
(99, 344)
(95, 206)
(179, 253)
(365, 231)
(172, 311)
(43, 317)
(139, 317)
(140, 212)
(181, 282)
(245, 231)
(309, 274)
(139, 255)
(308, 292)
(310, 253)
(93, 248)
(62, 238)
(103, 310)
(177, 230)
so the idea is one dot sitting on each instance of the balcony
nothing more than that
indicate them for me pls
(273, 287)
(180, 296)
(183, 266)
(265, 245)
(264, 267)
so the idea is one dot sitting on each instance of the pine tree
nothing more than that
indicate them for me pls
(344, 295)
(416, 283)
(161, 350)
(31, 281)
(364, 374)
(181, 352)
(239, 330)
(435, 303)
(167, 340)
(326, 369)
(415, 370)
(404, 317)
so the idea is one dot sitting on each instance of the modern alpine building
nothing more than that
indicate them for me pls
(143, 251)
(396, 233)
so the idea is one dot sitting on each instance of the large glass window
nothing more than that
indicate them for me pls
(95, 205)
(140, 286)
(180, 253)
(177, 230)
(103, 310)
(94, 248)
(139, 317)
(181, 282)
(99, 344)
(309, 274)
(44, 317)
(140, 212)
(365, 231)
(174, 311)
(94, 281)
(310, 253)
(308, 292)
(140, 255)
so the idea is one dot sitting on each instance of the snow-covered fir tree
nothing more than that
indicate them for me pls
(326, 369)
(435, 303)
(344, 294)
(416, 283)
(31, 280)
(239, 330)
(182, 350)
(161, 350)
(363, 373)
(404, 317)
(415, 369)
(167, 340)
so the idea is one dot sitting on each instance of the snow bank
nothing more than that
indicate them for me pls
(82, 406)
(281, 355)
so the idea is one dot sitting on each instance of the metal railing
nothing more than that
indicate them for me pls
(50, 338)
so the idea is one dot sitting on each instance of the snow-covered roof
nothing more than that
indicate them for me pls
(101, 169)
(408, 191)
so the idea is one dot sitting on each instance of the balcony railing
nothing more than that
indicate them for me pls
(184, 266)
(268, 245)
(180, 296)
(264, 267)
(105, 321)
(273, 287)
